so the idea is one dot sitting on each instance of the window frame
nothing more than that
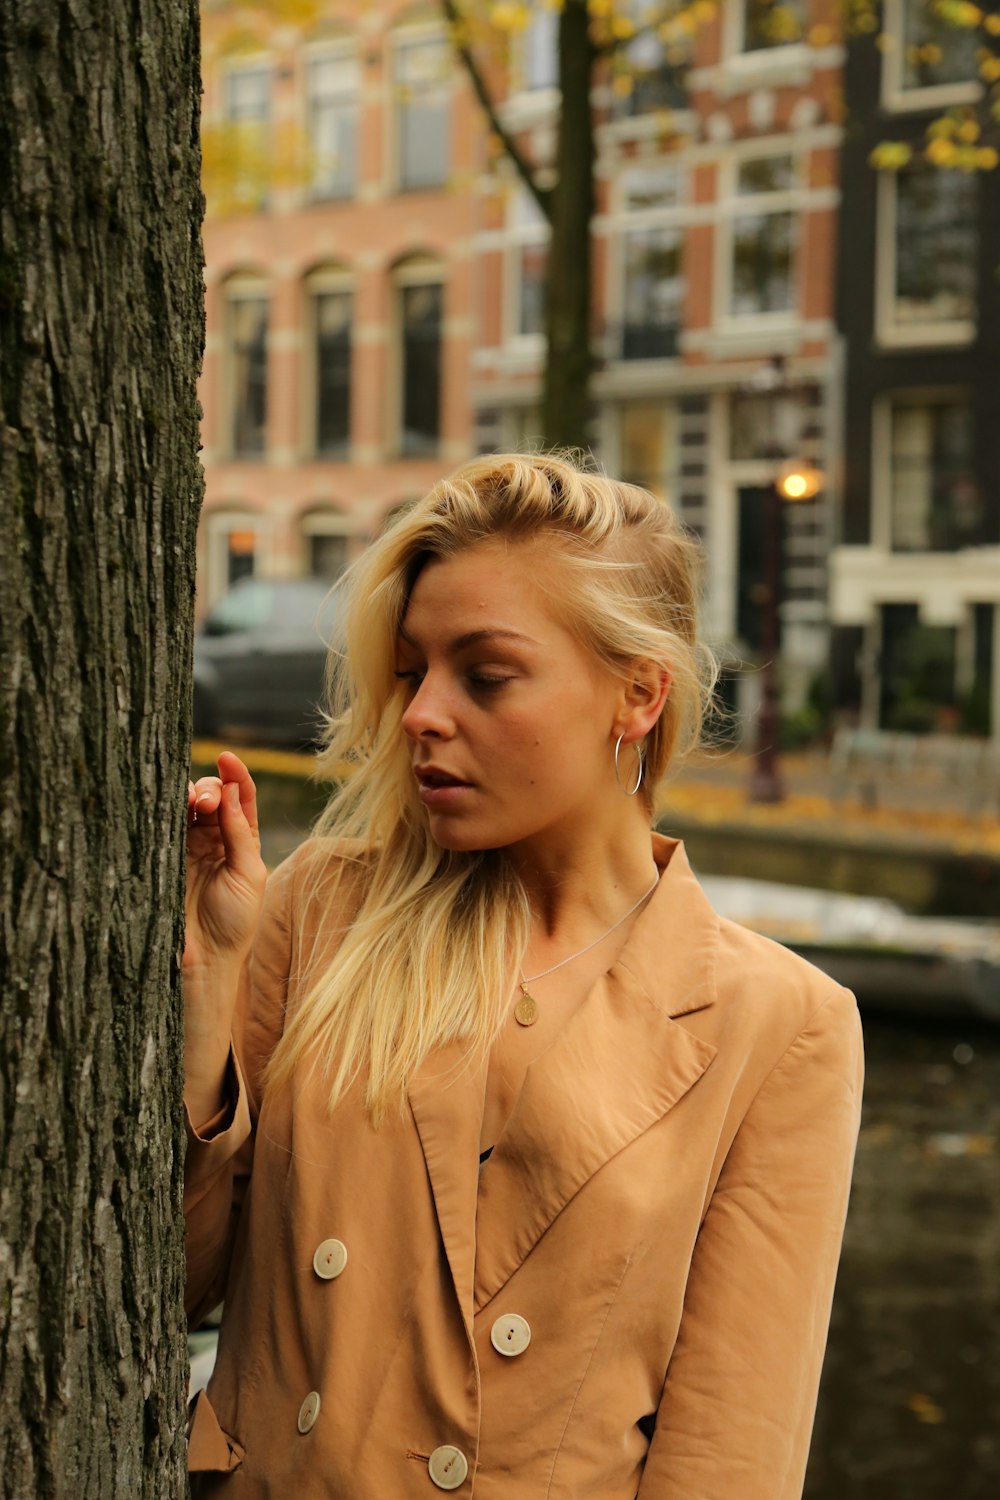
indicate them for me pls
(520, 234)
(888, 331)
(323, 281)
(415, 34)
(882, 465)
(220, 521)
(333, 50)
(243, 287)
(424, 270)
(895, 95)
(628, 221)
(323, 520)
(732, 205)
(261, 63)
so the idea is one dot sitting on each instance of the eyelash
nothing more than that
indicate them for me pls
(481, 681)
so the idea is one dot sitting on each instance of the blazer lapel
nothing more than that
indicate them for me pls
(446, 1097)
(620, 1064)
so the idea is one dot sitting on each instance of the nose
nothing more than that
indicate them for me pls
(428, 715)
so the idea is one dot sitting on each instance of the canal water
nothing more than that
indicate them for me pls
(909, 1404)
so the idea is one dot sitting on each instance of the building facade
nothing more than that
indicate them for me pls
(915, 577)
(339, 296)
(375, 279)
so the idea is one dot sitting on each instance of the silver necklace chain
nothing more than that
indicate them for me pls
(582, 951)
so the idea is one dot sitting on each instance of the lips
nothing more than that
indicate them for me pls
(434, 776)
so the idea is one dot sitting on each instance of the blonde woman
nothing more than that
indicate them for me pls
(522, 1174)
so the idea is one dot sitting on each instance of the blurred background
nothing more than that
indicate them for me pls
(781, 226)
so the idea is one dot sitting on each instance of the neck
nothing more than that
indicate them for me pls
(584, 881)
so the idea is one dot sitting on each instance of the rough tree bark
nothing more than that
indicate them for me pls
(100, 343)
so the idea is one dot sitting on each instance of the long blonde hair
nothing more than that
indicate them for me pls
(430, 954)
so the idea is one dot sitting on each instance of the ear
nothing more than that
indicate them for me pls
(645, 691)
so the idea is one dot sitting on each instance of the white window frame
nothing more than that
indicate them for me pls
(794, 200)
(322, 520)
(319, 281)
(335, 50)
(418, 270)
(887, 330)
(881, 461)
(758, 58)
(403, 36)
(895, 95)
(219, 522)
(626, 220)
(541, 20)
(258, 62)
(521, 231)
(242, 286)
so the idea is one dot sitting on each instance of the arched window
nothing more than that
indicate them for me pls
(326, 542)
(330, 316)
(245, 311)
(420, 320)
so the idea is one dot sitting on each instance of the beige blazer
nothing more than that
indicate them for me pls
(631, 1299)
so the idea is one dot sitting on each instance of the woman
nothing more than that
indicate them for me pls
(521, 1172)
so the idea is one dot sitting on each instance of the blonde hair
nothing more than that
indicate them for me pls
(430, 955)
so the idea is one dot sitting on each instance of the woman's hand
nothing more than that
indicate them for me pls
(225, 873)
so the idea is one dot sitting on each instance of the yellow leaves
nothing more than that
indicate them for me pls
(989, 69)
(891, 156)
(511, 16)
(942, 152)
(992, 24)
(987, 158)
(968, 131)
(820, 36)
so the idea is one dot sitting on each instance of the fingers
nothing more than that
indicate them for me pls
(232, 769)
(239, 840)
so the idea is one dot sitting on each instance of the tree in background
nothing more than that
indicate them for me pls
(101, 333)
(603, 41)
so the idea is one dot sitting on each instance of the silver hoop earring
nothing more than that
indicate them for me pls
(642, 767)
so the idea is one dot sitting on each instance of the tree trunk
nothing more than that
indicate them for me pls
(101, 334)
(568, 359)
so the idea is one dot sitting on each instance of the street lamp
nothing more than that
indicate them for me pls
(793, 480)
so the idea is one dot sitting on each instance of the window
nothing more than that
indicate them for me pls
(421, 80)
(650, 75)
(763, 237)
(528, 267)
(651, 242)
(246, 315)
(247, 608)
(540, 51)
(935, 504)
(644, 446)
(931, 51)
(332, 313)
(246, 106)
(930, 256)
(421, 315)
(917, 670)
(772, 23)
(235, 544)
(334, 87)
(325, 535)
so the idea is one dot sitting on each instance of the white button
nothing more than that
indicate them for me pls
(510, 1334)
(448, 1467)
(309, 1411)
(330, 1259)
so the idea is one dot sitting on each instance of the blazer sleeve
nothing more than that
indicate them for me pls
(738, 1404)
(219, 1158)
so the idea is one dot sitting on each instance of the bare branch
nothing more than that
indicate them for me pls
(524, 168)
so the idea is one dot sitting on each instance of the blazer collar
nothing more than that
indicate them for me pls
(619, 1065)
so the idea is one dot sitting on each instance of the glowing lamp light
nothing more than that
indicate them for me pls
(796, 480)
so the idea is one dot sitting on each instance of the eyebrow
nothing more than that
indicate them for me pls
(474, 637)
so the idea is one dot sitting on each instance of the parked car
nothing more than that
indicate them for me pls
(259, 658)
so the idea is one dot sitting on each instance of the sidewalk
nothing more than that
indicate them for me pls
(919, 810)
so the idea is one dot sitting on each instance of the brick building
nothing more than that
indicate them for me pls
(377, 318)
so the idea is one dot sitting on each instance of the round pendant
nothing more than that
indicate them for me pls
(526, 1010)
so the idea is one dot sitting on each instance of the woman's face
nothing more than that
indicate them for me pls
(509, 718)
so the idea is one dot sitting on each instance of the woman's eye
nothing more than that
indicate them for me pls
(487, 681)
(413, 677)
